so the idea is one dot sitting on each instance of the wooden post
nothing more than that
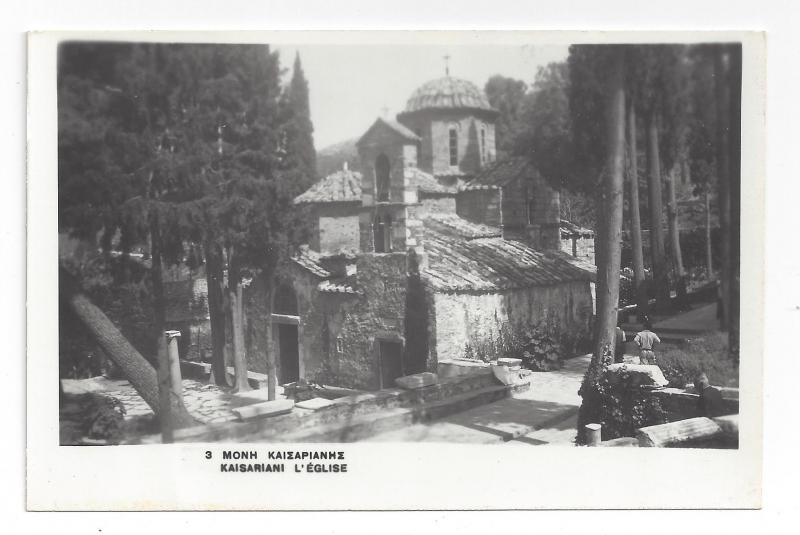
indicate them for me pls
(593, 434)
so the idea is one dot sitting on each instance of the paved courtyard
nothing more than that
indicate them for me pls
(544, 414)
(206, 402)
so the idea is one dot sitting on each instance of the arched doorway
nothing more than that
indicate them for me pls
(285, 323)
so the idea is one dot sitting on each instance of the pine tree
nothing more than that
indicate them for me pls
(251, 220)
(589, 65)
(297, 136)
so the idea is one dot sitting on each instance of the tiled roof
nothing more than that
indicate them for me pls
(570, 230)
(581, 263)
(426, 182)
(491, 264)
(345, 186)
(311, 261)
(454, 225)
(398, 128)
(341, 186)
(447, 93)
(500, 173)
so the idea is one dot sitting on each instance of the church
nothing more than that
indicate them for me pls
(429, 247)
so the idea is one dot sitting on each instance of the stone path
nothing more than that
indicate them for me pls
(545, 414)
(700, 319)
(206, 402)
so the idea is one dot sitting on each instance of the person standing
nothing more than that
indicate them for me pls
(646, 340)
(709, 401)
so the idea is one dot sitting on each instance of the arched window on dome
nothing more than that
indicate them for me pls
(382, 168)
(483, 145)
(453, 146)
(418, 132)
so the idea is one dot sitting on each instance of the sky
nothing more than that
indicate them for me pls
(350, 85)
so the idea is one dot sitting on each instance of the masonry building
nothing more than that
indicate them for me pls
(428, 247)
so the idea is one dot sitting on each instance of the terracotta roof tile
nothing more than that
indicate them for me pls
(341, 186)
(426, 182)
(453, 225)
(345, 186)
(491, 264)
(398, 128)
(500, 173)
(446, 93)
(311, 261)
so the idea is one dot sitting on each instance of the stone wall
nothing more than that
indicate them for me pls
(462, 318)
(515, 204)
(582, 248)
(339, 332)
(434, 128)
(481, 206)
(337, 229)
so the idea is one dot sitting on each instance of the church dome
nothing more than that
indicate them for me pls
(447, 93)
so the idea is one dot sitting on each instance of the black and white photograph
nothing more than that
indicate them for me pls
(287, 260)
(513, 243)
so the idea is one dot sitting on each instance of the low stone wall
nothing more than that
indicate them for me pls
(462, 368)
(680, 404)
(463, 318)
(342, 411)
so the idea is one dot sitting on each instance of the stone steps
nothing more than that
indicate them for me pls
(358, 412)
(390, 419)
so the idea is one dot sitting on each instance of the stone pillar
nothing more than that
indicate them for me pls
(593, 434)
(175, 382)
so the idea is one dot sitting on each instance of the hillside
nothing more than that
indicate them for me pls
(332, 157)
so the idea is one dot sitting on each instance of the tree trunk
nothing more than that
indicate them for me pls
(611, 226)
(272, 367)
(599, 262)
(675, 241)
(672, 221)
(216, 311)
(723, 175)
(612, 221)
(657, 253)
(166, 417)
(709, 258)
(640, 283)
(240, 383)
(116, 347)
(735, 77)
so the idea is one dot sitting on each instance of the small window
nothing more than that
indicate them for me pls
(382, 233)
(419, 145)
(339, 345)
(382, 178)
(453, 146)
(483, 144)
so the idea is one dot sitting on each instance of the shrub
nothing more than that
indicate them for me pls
(709, 355)
(541, 346)
(617, 403)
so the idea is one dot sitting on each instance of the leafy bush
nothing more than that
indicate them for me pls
(709, 355)
(541, 346)
(127, 301)
(616, 402)
(94, 416)
(626, 407)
